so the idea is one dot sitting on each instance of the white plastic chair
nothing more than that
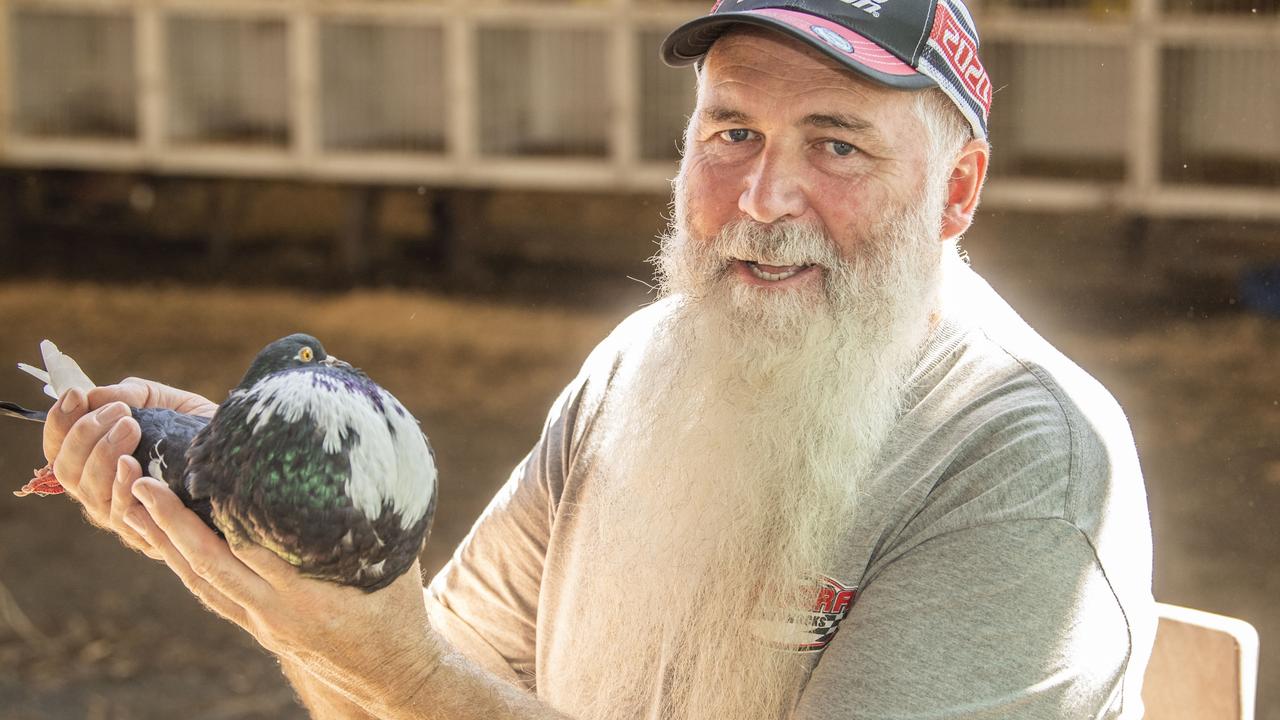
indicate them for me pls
(1203, 667)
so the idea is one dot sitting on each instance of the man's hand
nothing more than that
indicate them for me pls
(374, 648)
(89, 438)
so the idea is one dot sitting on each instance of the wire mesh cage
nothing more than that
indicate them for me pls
(1060, 111)
(72, 74)
(666, 99)
(1221, 119)
(1224, 7)
(544, 92)
(1089, 8)
(382, 86)
(227, 80)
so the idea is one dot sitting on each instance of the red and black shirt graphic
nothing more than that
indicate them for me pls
(810, 629)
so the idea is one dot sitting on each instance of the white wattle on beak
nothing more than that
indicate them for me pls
(331, 361)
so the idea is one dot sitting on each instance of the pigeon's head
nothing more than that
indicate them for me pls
(292, 351)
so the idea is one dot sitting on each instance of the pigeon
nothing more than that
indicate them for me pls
(307, 457)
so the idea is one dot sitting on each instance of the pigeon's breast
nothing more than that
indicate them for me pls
(391, 467)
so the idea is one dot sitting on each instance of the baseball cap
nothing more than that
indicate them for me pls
(907, 44)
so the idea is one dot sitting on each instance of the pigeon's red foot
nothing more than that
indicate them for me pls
(44, 483)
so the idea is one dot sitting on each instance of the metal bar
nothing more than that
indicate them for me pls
(6, 68)
(1040, 194)
(240, 9)
(1142, 161)
(624, 111)
(1038, 29)
(1190, 201)
(25, 151)
(1219, 31)
(152, 81)
(461, 63)
(304, 86)
(71, 5)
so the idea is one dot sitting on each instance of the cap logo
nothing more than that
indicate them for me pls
(961, 53)
(832, 38)
(869, 7)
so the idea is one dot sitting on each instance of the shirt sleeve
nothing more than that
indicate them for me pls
(1011, 619)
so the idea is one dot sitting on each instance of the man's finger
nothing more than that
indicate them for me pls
(264, 563)
(64, 414)
(144, 526)
(79, 442)
(138, 392)
(97, 477)
(207, 555)
(133, 393)
(122, 501)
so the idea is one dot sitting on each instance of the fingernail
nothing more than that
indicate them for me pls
(72, 401)
(143, 493)
(113, 412)
(118, 432)
(122, 468)
(133, 519)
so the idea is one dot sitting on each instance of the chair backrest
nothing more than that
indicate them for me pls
(1203, 667)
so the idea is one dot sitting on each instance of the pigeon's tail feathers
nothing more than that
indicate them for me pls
(40, 375)
(64, 373)
(16, 410)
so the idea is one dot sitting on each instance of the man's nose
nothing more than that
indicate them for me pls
(774, 188)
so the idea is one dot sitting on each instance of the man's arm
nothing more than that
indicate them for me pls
(346, 649)
(319, 699)
(461, 690)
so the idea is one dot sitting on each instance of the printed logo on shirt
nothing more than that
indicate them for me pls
(812, 628)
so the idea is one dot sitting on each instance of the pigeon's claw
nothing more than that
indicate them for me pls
(44, 483)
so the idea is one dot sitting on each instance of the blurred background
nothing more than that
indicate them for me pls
(459, 196)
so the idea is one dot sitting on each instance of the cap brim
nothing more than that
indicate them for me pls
(689, 42)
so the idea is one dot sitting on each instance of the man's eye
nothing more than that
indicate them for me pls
(843, 149)
(736, 135)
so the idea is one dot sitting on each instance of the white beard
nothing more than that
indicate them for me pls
(729, 454)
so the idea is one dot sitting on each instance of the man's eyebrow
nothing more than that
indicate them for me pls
(721, 114)
(831, 121)
(839, 121)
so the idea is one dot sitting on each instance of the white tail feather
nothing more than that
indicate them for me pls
(61, 373)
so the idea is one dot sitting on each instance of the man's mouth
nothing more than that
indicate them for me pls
(773, 273)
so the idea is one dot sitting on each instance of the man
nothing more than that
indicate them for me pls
(829, 474)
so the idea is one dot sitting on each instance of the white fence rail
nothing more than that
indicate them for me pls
(1161, 107)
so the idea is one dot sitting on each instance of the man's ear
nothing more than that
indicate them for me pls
(964, 187)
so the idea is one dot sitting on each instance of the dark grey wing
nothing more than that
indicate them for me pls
(162, 451)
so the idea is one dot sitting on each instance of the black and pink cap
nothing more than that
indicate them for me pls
(908, 44)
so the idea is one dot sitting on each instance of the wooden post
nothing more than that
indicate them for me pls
(225, 202)
(361, 225)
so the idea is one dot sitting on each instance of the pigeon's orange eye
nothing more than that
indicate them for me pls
(306, 354)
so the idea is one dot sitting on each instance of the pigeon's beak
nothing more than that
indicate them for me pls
(334, 362)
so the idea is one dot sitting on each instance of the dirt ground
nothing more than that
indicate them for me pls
(91, 630)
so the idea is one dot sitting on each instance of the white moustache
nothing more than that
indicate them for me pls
(781, 244)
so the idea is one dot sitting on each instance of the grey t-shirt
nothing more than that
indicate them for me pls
(998, 567)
